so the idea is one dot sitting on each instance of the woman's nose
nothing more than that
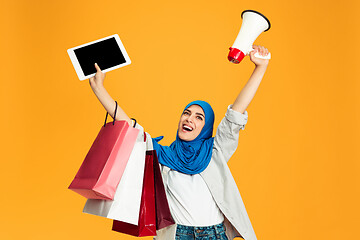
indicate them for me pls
(191, 118)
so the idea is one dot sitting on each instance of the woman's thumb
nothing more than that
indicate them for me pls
(251, 54)
(97, 67)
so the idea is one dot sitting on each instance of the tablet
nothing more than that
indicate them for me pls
(109, 53)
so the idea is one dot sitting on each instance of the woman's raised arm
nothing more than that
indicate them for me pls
(97, 85)
(248, 92)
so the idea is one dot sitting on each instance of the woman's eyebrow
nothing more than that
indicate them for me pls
(187, 110)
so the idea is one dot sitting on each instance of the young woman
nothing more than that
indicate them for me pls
(202, 194)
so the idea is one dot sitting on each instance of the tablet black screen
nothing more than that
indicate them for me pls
(105, 53)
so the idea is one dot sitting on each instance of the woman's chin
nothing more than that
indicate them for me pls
(185, 137)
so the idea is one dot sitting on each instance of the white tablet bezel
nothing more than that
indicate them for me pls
(76, 63)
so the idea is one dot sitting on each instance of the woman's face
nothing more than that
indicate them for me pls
(191, 123)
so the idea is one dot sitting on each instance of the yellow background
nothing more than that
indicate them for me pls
(297, 163)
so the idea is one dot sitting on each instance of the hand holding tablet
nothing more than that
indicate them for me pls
(109, 53)
(98, 80)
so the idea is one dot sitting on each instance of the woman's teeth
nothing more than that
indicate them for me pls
(187, 128)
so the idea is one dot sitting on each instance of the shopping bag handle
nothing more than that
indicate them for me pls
(134, 121)
(114, 114)
(116, 105)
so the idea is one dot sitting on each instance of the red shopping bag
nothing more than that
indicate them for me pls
(163, 215)
(147, 218)
(101, 171)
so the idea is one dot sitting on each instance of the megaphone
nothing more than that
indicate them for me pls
(252, 25)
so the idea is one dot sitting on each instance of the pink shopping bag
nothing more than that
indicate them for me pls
(101, 171)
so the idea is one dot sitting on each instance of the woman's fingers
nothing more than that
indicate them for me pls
(261, 50)
(98, 70)
(256, 48)
(97, 67)
(99, 76)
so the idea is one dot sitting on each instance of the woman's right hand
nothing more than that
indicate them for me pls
(97, 81)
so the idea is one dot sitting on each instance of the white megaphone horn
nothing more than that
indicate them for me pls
(252, 25)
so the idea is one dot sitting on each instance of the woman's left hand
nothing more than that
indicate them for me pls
(263, 52)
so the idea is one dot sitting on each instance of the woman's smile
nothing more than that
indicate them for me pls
(187, 128)
(191, 123)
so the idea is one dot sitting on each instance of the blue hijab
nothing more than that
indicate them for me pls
(189, 157)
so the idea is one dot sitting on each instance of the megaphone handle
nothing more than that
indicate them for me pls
(262, 57)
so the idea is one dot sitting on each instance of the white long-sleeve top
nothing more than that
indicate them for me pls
(219, 180)
(190, 200)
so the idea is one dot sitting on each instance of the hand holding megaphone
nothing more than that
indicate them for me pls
(253, 24)
(262, 52)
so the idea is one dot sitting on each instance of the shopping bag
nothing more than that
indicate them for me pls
(126, 204)
(163, 215)
(146, 225)
(106, 160)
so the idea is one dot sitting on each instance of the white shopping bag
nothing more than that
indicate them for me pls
(125, 206)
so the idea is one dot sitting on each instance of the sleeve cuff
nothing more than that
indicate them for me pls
(236, 117)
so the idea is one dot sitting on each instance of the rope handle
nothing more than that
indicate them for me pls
(134, 121)
(116, 105)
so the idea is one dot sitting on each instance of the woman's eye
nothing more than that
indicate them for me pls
(200, 118)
